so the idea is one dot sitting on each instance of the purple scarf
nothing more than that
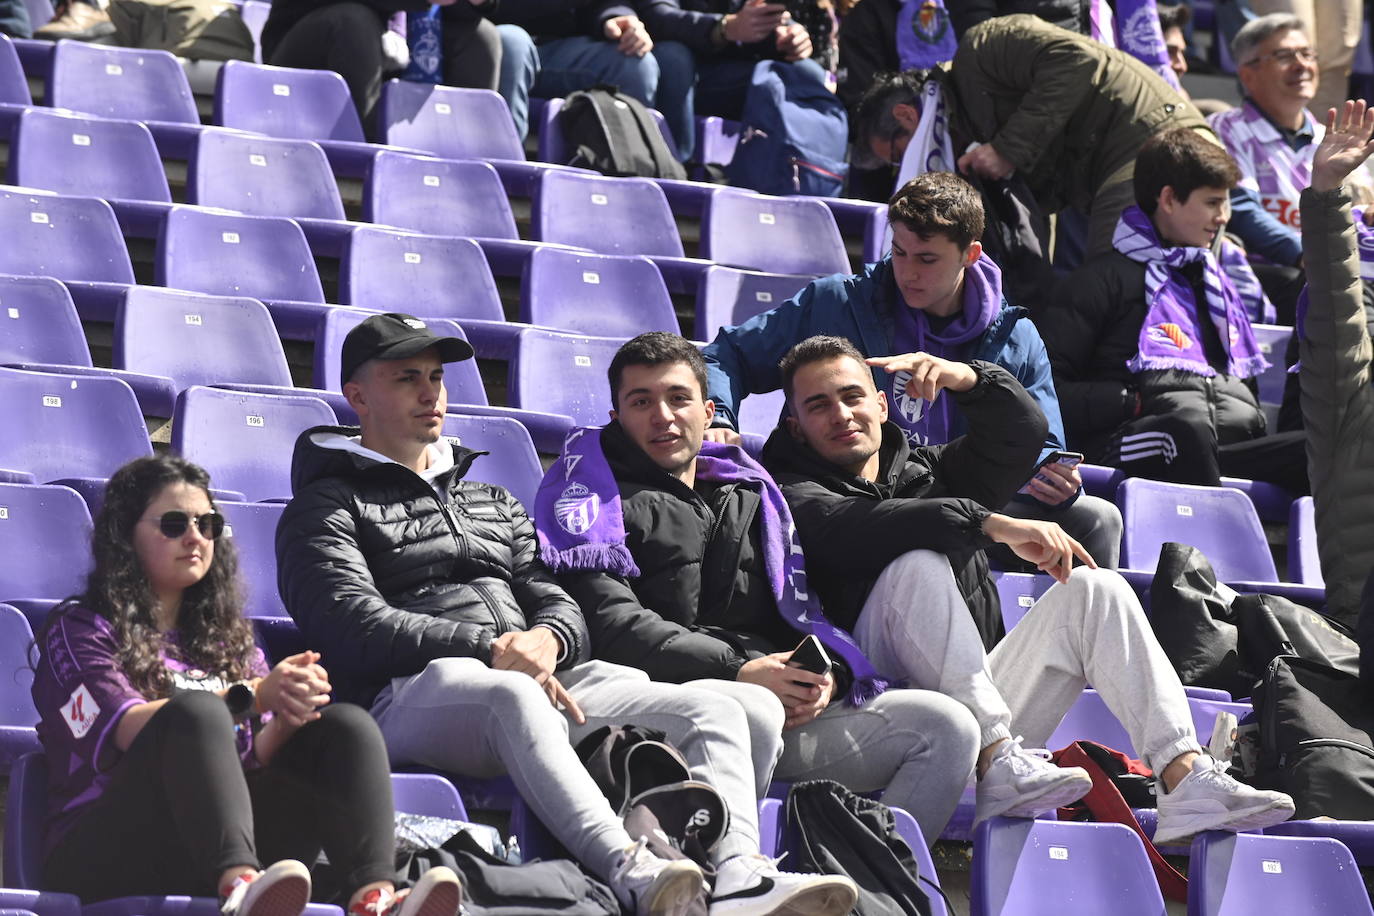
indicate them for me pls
(925, 37)
(1169, 337)
(581, 526)
(1233, 261)
(1134, 28)
(912, 334)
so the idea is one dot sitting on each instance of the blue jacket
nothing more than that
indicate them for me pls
(744, 358)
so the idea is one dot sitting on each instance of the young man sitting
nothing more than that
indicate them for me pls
(1154, 357)
(876, 518)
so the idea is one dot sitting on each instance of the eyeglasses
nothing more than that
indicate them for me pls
(173, 524)
(1285, 57)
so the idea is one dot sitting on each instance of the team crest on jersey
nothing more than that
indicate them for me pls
(80, 711)
(930, 23)
(577, 509)
(1171, 335)
(911, 409)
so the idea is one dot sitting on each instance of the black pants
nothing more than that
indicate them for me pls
(1182, 448)
(180, 809)
(347, 38)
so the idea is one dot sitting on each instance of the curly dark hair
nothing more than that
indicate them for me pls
(213, 634)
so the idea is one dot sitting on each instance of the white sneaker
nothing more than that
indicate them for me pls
(1024, 783)
(281, 890)
(1208, 799)
(752, 886)
(646, 884)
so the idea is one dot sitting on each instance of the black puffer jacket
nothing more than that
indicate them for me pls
(931, 498)
(701, 606)
(383, 576)
(1095, 329)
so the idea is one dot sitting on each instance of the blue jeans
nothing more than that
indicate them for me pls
(519, 68)
(569, 64)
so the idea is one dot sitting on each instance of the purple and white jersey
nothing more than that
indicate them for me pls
(1268, 165)
(81, 693)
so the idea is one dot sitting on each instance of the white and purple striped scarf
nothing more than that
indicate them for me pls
(1169, 337)
(581, 526)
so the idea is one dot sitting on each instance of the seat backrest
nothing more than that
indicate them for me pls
(253, 527)
(69, 238)
(604, 295)
(59, 426)
(785, 235)
(393, 271)
(462, 379)
(609, 215)
(448, 121)
(45, 538)
(1029, 866)
(245, 440)
(563, 373)
(14, 85)
(197, 339)
(118, 82)
(759, 413)
(38, 323)
(26, 811)
(1273, 343)
(513, 462)
(438, 196)
(1233, 874)
(428, 794)
(1018, 592)
(226, 254)
(1304, 562)
(16, 675)
(284, 102)
(728, 296)
(1219, 521)
(265, 176)
(83, 154)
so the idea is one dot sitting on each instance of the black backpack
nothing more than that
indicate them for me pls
(614, 134)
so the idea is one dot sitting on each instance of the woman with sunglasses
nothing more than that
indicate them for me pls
(178, 762)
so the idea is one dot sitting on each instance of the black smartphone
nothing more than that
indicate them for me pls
(1067, 459)
(811, 656)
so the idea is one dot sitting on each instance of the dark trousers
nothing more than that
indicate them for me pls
(1182, 448)
(180, 808)
(347, 38)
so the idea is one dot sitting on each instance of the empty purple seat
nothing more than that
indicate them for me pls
(1270, 500)
(17, 714)
(604, 295)
(45, 538)
(513, 462)
(427, 794)
(1273, 343)
(245, 440)
(759, 413)
(786, 235)
(197, 339)
(1018, 593)
(14, 85)
(264, 176)
(563, 373)
(728, 296)
(38, 903)
(448, 121)
(1304, 563)
(1241, 874)
(253, 527)
(1089, 718)
(1100, 480)
(1219, 521)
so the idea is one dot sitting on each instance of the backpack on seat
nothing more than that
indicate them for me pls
(614, 134)
(794, 137)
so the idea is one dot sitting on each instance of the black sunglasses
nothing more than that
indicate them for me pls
(173, 524)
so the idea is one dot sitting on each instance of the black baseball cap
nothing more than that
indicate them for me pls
(396, 336)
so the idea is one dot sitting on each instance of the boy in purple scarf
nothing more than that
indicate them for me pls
(1153, 353)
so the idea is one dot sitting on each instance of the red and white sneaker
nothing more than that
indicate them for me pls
(281, 890)
(437, 893)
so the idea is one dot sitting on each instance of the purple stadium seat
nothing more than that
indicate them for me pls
(614, 216)
(45, 538)
(73, 239)
(428, 794)
(603, 295)
(197, 339)
(449, 122)
(553, 147)
(1358, 836)
(1273, 343)
(14, 85)
(1100, 480)
(70, 429)
(253, 527)
(1241, 874)
(245, 440)
(1219, 521)
(1030, 868)
(1304, 564)
(1018, 593)
(786, 235)
(728, 296)
(513, 462)
(38, 903)
(863, 219)
(759, 413)
(563, 373)
(1090, 719)
(17, 714)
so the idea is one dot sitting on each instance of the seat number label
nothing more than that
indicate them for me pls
(1185, 511)
(1059, 852)
(194, 320)
(281, 89)
(767, 219)
(1272, 866)
(582, 361)
(412, 257)
(52, 400)
(591, 276)
(253, 420)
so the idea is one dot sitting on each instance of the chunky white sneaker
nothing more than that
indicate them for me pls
(1024, 783)
(281, 890)
(646, 884)
(1208, 799)
(753, 886)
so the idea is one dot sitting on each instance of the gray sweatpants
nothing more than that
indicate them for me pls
(1091, 630)
(461, 716)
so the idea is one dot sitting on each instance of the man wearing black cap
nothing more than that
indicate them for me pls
(426, 595)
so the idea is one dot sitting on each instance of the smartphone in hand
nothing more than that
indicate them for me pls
(1066, 459)
(811, 656)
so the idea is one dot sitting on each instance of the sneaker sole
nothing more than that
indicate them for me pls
(1247, 819)
(91, 34)
(287, 896)
(1055, 795)
(673, 891)
(833, 898)
(434, 896)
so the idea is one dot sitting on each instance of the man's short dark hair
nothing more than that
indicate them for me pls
(1184, 160)
(939, 202)
(1174, 17)
(873, 116)
(814, 350)
(655, 348)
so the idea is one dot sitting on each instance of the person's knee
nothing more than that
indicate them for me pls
(676, 61)
(923, 568)
(193, 714)
(949, 726)
(353, 725)
(635, 76)
(351, 19)
(763, 712)
(1099, 592)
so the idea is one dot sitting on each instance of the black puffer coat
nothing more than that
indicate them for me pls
(383, 576)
